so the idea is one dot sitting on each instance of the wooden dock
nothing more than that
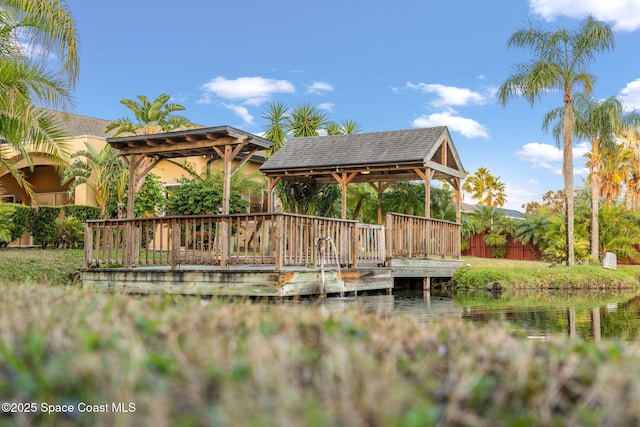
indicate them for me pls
(269, 254)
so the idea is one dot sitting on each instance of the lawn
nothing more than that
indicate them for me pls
(514, 274)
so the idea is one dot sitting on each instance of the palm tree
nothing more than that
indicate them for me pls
(98, 170)
(47, 24)
(560, 61)
(405, 197)
(620, 231)
(532, 228)
(631, 143)
(361, 199)
(442, 204)
(345, 128)
(614, 172)
(151, 117)
(275, 129)
(27, 86)
(305, 120)
(600, 121)
(485, 188)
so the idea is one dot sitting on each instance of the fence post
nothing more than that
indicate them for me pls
(355, 244)
(389, 236)
(175, 243)
(88, 245)
(279, 252)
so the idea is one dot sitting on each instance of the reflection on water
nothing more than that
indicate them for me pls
(592, 315)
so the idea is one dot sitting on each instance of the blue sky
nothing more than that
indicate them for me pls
(388, 65)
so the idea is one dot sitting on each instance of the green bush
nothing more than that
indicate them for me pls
(6, 213)
(198, 197)
(82, 212)
(42, 224)
(69, 232)
(19, 220)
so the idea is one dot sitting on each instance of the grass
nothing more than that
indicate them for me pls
(512, 274)
(184, 363)
(49, 266)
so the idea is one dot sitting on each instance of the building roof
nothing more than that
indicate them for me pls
(375, 153)
(76, 125)
(191, 142)
(509, 213)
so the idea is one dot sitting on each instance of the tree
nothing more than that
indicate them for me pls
(532, 227)
(152, 117)
(195, 196)
(47, 24)
(405, 197)
(98, 170)
(27, 86)
(345, 128)
(275, 130)
(485, 188)
(599, 121)
(631, 143)
(560, 61)
(303, 120)
(496, 225)
(620, 232)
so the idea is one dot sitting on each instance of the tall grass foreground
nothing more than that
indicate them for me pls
(185, 361)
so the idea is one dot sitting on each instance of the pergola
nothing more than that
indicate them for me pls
(378, 158)
(144, 152)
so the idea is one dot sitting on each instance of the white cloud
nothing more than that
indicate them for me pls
(450, 95)
(630, 95)
(241, 112)
(468, 127)
(326, 106)
(624, 14)
(319, 87)
(547, 156)
(249, 90)
(518, 196)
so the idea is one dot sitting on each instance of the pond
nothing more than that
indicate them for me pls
(592, 315)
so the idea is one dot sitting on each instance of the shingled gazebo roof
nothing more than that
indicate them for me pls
(377, 156)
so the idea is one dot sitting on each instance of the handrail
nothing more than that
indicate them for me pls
(419, 237)
(275, 239)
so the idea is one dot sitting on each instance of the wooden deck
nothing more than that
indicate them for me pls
(271, 254)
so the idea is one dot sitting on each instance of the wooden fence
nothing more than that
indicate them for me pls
(412, 236)
(275, 239)
(515, 250)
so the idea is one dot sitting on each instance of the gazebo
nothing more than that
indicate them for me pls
(378, 158)
(281, 253)
(143, 152)
(225, 142)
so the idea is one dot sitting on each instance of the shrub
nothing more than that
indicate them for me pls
(82, 212)
(69, 232)
(19, 220)
(42, 224)
(6, 213)
(198, 197)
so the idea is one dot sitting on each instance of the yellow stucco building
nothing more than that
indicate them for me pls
(45, 176)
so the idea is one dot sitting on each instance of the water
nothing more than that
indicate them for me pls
(593, 315)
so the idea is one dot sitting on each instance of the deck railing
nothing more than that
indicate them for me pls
(413, 236)
(274, 239)
(277, 239)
